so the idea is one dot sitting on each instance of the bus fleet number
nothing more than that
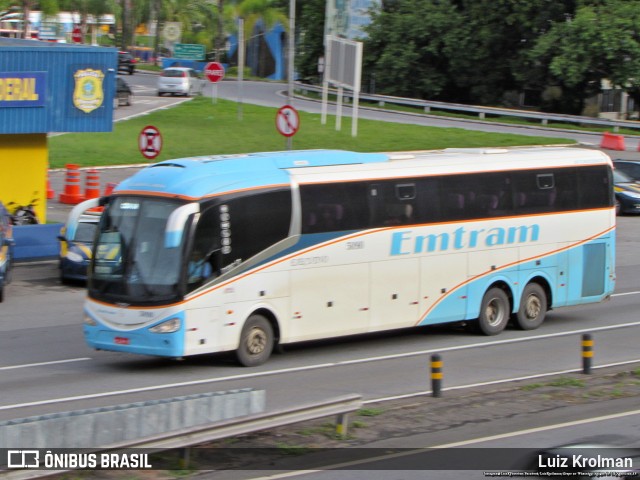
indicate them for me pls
(355, 245)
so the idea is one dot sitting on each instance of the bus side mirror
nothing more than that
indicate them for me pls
(176, 222)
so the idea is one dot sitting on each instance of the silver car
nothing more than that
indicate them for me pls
(179, 81)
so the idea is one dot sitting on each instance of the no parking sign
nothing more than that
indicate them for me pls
(150, 142)
(287, 121)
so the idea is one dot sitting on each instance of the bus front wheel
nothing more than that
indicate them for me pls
(533, 307)
(256, 341)
(494, 312)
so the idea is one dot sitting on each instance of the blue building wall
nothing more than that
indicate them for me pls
(275, 44)
(58, 72)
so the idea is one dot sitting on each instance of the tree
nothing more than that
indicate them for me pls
(410, 46)
(467, 51)
(492, 41)
(86, 8)
(602, 41)
(310, 18)
(24, 7)
(219, 43)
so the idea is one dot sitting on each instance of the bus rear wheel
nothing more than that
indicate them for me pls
(494, 312)
(533, 307)
(256, 341)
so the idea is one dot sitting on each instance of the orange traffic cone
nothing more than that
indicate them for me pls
(50, 192)
(92, 184)
(71, 193)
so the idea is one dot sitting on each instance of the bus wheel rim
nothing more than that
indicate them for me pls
(533, 307)
(493, 312)
(256, 341)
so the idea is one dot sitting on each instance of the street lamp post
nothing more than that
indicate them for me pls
(292, 27)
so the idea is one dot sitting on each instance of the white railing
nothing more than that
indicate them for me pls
(482, 112)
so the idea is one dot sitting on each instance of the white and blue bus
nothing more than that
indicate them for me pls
(242, 253)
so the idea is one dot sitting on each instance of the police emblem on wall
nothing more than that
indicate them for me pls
(88, 93)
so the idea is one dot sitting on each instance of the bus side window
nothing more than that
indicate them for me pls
(455, 204)
(329, 217)
(399, 214)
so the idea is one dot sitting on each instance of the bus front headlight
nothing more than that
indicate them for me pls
(89, 321)
(74, 257)
(169, 326)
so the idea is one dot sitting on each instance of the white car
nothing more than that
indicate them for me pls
(179, 81)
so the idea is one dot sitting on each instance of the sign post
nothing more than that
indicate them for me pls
(150, 142)
(214, 71)
(287, 123)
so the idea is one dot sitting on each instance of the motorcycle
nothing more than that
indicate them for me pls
(24, 214)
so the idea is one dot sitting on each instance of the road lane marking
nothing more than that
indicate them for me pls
(546, 428)
(41, 364)
(625, 293)
(422, 450)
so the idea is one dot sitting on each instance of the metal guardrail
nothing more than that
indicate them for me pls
(197, 435)
(482, 112)
(101, 427)
(340, 406)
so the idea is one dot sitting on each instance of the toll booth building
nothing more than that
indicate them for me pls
(47, 88)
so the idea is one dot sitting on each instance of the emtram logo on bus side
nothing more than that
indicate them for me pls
(406, 242)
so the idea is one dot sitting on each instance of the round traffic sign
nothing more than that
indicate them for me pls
(287, 121)
(172, 31)
(214, 71)
(150, 142)
(76, 35)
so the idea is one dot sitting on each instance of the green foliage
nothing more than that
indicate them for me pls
(532, 386)
(598, 42)
(477, 51)
(567, 382)
(409, 50)
(309, 38)
(215, 129)
(370, 412)
(292, 449)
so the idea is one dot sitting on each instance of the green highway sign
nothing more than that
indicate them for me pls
(188, 51)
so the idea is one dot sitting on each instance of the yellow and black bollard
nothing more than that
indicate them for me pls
(436, 375)
(587, 353)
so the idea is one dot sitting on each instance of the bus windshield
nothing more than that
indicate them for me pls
(131, 263)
